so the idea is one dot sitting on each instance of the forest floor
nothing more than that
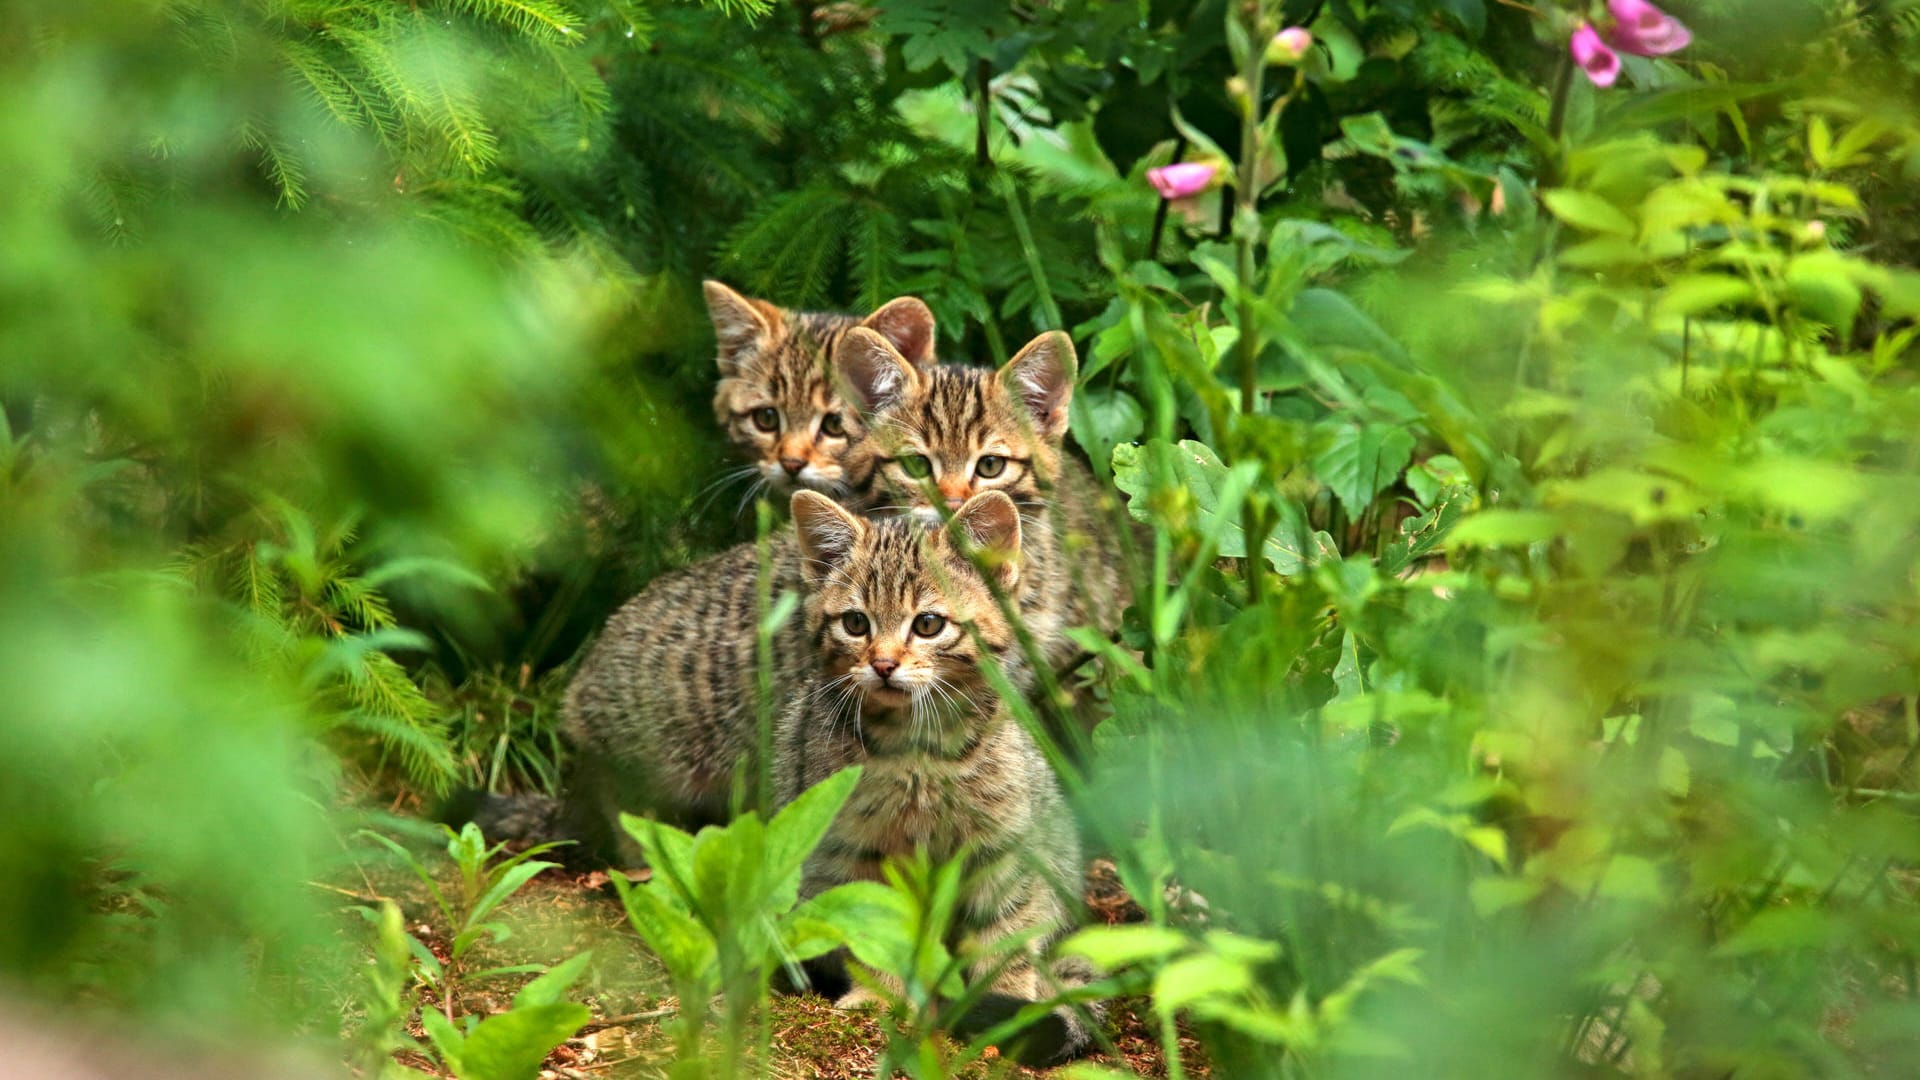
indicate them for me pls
(559, 915)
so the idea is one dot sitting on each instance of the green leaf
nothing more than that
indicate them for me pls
(683, 945)
(1186, 488)
(1823, 285)
(1112, 948)
(1630, 877)
(796, 830)
(548, 988)
(1588, 211)
(1200, 976)
(1504, 528)
(1362, 462)
(506, 885)
(447, 1040)
(871, 919)
(1696, 294)
(511, 1045)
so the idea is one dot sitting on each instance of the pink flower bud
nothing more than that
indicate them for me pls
(1816, 230)
(1183, 180)
(1601, 64)
(1289, 46)
(1644, 30)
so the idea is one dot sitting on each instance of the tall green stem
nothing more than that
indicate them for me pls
(1246, 238)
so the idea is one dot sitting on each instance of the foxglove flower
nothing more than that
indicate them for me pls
(1183, 180)
(1289, 46)
(1644, 30)
(1601, 64)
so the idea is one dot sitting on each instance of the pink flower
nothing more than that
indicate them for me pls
(1181, 181)
(1289, 46)
(1601, 64)
(1645, 30)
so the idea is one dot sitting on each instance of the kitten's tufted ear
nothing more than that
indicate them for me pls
(871, 371)
(907, 324)
(739, 324)
(1041, 376)
(990, 525)
(827, 533)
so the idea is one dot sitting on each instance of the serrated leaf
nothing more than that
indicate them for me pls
(1202, 975)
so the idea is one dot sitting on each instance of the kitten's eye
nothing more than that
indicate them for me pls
(831, 424)
(927, 624)
(766, 418)
(917, 466)
(854, 623)
(989, 466)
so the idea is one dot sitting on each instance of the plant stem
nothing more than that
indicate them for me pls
(1246, 237)
(1160, 212)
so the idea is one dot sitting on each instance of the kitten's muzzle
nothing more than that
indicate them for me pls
(884, 667)
(793, 465)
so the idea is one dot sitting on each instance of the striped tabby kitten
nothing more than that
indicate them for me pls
(899, 617)
(952, 432)
(775, 399)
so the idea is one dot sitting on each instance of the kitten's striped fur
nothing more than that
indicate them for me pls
(958, 419)
(776, 400)
(663, 708)
(899, 618)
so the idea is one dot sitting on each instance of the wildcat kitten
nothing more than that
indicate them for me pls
(775, 399)
(663, 708)
(900, 620)
(951, 432)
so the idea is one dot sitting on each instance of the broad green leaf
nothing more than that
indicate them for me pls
(1504, 528)
(873, 920)
(1202, 975)
(1491, 895)
(1112, 948)
(447, 1040)
(1630, 877)
(1699, 293)
(683, 945)
(1823, 285)
(797, 828)
(1362, 462)
(1588, 211)
(550, 987)
(1784, 929)
(511, 1045)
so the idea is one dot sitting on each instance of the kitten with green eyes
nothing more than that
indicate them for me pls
(663, 708)
(901, 621)
(940, 436)
(776, 398)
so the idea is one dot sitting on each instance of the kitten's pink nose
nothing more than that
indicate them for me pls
(884, 667)
(793, 465)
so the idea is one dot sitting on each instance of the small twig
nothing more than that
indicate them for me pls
(364, 898)
(624, 1021)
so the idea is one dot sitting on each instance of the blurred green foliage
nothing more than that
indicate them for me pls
(1523, 680)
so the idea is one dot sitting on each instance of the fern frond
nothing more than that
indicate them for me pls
(534, 18)
(787, 247)
(282, 167)
(873, 246)
(422, 750)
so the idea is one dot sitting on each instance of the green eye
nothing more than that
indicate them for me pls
(989, 466)
(927, 624)
(766, 418)
(917, 466)
(832, 425)
(854, 623)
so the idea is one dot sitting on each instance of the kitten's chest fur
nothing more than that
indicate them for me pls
(917, 801)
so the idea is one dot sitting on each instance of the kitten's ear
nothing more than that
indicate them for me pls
(990, 523)
(871, 371)
(739, 324)
(907, 324)
(1041, 376)
(827, 533)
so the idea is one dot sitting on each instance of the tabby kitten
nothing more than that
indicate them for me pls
(663, 708)
(776, 401)
(952, 432)
(900, 621)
